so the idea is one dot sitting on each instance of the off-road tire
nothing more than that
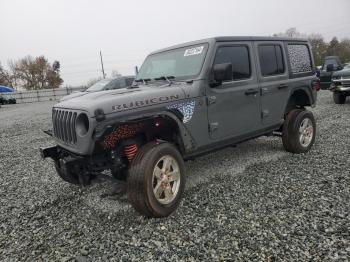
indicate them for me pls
(339, 98)
(69, 177)
(140, 179)
(290, 131)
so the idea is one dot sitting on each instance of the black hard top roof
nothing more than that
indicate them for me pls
(233, 38)
(257, 38)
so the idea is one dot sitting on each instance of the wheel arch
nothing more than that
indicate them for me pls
(299, 97)
(165, 125)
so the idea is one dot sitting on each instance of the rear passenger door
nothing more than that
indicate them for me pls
(273, 81)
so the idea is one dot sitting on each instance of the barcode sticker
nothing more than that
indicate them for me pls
(194, 51)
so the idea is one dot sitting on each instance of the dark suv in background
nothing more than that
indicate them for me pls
(187, 100)
(330, 65)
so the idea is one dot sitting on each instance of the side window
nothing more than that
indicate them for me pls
(238, 56)
(271, 60)
(299, 58)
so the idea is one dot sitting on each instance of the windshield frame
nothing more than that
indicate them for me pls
(190, 45)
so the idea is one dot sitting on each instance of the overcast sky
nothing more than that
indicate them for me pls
(73, 31)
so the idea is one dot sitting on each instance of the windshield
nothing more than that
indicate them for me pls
(107, 84)
(183, 62)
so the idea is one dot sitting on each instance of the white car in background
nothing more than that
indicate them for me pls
(103, 85)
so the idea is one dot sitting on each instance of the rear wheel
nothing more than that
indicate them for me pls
(339, 98)
(156, 180)
(299, 131)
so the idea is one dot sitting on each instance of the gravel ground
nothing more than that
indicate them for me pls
(251, 202)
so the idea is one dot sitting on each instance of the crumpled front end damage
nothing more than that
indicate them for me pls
(90, 142)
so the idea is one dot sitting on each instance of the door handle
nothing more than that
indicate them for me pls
(282, 86)
(251, 92)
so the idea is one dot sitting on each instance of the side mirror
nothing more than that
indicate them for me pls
(330, 68)
(223, 72)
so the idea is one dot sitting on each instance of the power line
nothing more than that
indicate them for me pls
(103, 71)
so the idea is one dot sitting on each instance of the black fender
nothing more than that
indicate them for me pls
(310, 94)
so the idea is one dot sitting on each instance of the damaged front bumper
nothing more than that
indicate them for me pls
(66, 161)
(91, 163)
(51, 152)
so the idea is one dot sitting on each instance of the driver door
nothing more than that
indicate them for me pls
(234, 106)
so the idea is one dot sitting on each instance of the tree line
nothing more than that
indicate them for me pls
(31, 73)
(321, 48)
(37, 73)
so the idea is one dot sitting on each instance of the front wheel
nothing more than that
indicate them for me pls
(299, 131)
(67, 175)
(71, 176)
(156, 180)
(339, 98)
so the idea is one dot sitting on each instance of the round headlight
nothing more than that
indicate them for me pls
(82, 124)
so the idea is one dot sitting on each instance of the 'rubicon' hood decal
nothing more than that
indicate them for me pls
(125, 100)
(145, 102)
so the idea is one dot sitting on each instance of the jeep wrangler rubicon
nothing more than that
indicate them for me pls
(186, 100)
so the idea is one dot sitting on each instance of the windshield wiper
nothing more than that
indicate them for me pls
(143, 80)
(166, 78)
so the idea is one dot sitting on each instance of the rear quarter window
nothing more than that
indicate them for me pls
(299, 59)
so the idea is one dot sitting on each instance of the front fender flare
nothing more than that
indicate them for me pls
(188, 142)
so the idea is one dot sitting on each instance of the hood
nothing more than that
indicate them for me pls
(119, 100)
(344, 72)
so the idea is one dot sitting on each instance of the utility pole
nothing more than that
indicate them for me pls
(103, 71)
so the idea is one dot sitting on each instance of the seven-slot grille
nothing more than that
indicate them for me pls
(64, 125)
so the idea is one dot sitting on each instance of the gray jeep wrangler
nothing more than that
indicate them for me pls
(187, 100)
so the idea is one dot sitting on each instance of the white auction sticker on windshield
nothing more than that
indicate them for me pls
(194, 51)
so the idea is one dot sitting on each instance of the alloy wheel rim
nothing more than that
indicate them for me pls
(306, 132)
(166, 179)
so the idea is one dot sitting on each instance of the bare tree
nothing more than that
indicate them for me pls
(5, 77)
(36, 73)
(291, 32)
(319, 47)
